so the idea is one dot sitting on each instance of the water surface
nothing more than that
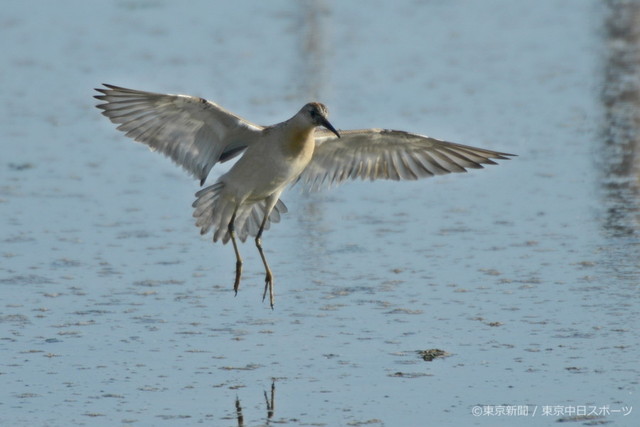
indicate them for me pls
(115, 312)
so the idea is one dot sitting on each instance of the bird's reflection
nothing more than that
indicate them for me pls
(270, 401)
(239, 413)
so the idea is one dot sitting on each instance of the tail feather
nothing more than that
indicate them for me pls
(221, 219)
(214, 214)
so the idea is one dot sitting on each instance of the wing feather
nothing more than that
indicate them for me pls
(195, 133)
(388, 154)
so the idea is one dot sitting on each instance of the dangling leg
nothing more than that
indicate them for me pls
(232, 233)
(268, 280)
(270, 202)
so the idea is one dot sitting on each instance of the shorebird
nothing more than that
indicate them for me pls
(196, 134)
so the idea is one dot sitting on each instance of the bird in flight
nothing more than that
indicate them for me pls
(196, 134)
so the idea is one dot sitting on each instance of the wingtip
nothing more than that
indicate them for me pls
(104, 90)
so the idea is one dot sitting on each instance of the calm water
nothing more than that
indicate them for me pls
(115, 312)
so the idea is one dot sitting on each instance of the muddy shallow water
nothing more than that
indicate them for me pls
(115, 312)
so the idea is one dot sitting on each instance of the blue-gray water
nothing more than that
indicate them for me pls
(113, 311)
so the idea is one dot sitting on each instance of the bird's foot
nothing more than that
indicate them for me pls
(236, 283)
(268, 285)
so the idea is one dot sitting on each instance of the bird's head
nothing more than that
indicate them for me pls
(317, 114)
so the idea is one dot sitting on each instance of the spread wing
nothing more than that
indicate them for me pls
(388, 154)
(193, 132)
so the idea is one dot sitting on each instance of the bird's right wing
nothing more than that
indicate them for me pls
(388, 154)
(195, 133)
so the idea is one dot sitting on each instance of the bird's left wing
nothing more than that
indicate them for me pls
(388, 154)
(193, 132)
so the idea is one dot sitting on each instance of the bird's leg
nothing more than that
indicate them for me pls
(232, 233)
(268, 280)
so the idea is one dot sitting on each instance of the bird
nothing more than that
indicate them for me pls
(197, 134)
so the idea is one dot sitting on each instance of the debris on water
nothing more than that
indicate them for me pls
(410, 374)
(21, 166)
(434, 353)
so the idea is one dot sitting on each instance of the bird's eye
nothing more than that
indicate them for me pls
(313, 113)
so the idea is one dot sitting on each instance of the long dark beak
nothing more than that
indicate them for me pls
(329, 126)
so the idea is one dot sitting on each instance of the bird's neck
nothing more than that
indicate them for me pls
(299, 140)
